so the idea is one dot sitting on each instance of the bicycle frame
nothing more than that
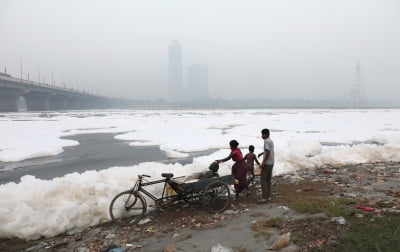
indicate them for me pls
(139, 188)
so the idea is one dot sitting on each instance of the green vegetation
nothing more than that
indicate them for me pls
(370, 233)
(376, 234)
(333, 207)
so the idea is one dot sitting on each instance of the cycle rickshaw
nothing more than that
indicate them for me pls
(212, 192)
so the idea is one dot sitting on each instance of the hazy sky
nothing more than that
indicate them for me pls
(259, 48)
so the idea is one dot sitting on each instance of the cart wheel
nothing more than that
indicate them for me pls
(193, 197)
(216, 197)
(126, 204)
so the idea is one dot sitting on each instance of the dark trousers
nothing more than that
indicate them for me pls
(266, 177)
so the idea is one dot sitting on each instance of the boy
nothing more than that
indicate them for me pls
(250, 158)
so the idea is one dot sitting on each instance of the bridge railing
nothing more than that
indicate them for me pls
(45, 85)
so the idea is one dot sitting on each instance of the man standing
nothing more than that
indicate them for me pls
(266, 166)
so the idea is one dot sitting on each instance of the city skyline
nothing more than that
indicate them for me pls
(262, 50)
(194, 85)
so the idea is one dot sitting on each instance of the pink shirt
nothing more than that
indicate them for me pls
(250, 158)
(236, 154)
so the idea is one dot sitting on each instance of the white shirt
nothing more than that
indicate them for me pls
(269, 145)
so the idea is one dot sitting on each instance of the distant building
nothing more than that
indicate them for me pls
(357, 96)
(197, 77)
(175, 71)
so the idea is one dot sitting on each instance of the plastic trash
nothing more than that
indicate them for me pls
(144, 221)
(339, 220)
(119, 249)
(281, 242)
(220, 248)
(108, 248)
(283, 207)
(365, 208)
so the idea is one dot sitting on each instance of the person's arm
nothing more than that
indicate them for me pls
(255, 159)
(224, 159)
(261, 153)
(265, 158)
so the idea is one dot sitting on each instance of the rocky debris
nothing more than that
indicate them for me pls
(375, 185)
(37, 247)
(169, 248)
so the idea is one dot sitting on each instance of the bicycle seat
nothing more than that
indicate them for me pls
(167, 175)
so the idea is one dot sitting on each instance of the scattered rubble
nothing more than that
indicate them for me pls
(375, 187)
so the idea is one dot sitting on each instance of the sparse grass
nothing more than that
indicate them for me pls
(239, 249)
(370, 233)
(331, 206)
(381, 234)
(308, 231)
(275, 222)
(303, 239)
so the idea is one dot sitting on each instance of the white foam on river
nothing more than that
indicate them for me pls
(33, 207)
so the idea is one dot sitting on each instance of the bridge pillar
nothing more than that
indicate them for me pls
(87, 103)
(73, 103)
(9, 99)
(37, 101)
(58, 102)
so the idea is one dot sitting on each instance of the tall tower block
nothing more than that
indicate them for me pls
(357, 96)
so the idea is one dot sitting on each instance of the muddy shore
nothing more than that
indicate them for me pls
(364, 192)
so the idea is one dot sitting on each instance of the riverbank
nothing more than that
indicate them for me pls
(332, 208)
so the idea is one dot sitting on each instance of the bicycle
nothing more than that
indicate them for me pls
(213, 193)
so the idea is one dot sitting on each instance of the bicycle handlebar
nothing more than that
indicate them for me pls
(144, 175)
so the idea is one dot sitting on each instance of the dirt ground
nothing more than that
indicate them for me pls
(245, 226)
(186, 227)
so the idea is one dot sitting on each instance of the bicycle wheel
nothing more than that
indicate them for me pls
(216, 197)
(126, 204)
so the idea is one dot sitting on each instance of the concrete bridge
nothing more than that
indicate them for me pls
(44, 97)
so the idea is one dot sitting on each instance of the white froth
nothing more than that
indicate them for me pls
(35, 207)
(304, 139)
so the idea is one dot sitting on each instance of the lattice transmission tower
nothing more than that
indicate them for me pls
(357, 96)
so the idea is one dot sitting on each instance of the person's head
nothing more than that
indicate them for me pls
(251, 148)
(213, 167)
(233, 144)
(265, 133)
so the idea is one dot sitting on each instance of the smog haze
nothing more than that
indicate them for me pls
(289, 49)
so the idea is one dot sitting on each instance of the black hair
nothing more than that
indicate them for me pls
(234, 143)
(265, 131)
(213, 167)
(251, 148)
